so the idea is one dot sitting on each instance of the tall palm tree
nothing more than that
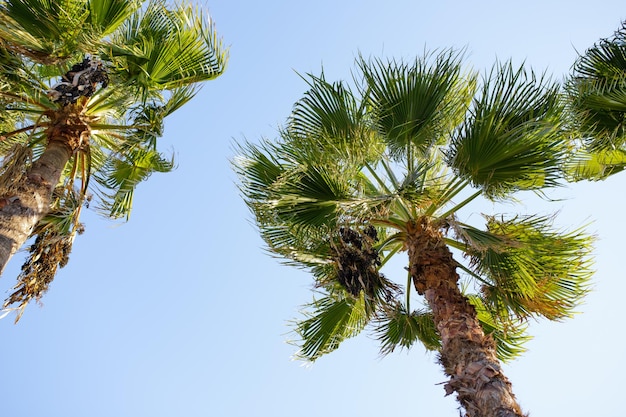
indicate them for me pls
(85, 87)
(597, 100)
(361, 174)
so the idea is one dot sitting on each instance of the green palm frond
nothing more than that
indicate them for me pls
(606, 59)
(332, 114)
(163, 48)
(599, 107)
(293, 189)
(327, 110)
(107, 15)
(398, 328)
(301, 246)
(147, 123)
(512, 139)
(47, 31)
(329, 321)
(415, 106)
(596, 93)
(596, 165)
(120, 175)
(528, 268)
(312, 196)
(259, 168)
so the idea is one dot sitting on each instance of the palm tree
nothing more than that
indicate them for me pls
(85, 87)
(596, 93)
(361, 174)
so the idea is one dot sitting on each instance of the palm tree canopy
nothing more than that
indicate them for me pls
(597, 97)
(117, 69)
(408, 142)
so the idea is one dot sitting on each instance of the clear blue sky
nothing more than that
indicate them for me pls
(179, 312)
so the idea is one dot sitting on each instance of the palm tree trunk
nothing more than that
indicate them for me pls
(467, 354)
(23, 206)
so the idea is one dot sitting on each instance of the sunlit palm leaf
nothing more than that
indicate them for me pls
(596, 165)
(599, 107)
(330, 117)
(46, 31)
(107, 15)
(397, 328)
(513, 138)
(530, 269)
(416, 105)
(597, 98)
(121, 176)
(606, 59)
(329, 322)
(167, 49)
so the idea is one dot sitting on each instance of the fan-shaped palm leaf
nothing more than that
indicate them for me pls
(416, 105)
(596, 94)
(121, 176)
(530, 269)
(398, 328)
(107, 15)
(46, 31)
(329, 321)
(513, 138)
(162, 48)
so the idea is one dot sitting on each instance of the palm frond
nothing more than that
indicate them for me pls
(398, 328)
(513, 139)
(329, 321)
(528, 268)
(107, 15)
(167, 49)
(330, 118)
(259, 167)
(416, 106)
(293, 188)
(120, 175)
(595, 165)
(300, 246)
(596, 93)
(599, 108)
(606, 59)
(47, 31)
(312, 196)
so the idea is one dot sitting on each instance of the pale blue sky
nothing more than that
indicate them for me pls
(179, 312)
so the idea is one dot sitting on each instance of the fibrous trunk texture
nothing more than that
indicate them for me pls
(27, 200)
(467, 354)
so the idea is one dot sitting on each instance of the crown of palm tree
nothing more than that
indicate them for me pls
(110, 71)
(357, 170)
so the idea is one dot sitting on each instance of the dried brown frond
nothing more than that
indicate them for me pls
(49, 252)
(14, 166)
